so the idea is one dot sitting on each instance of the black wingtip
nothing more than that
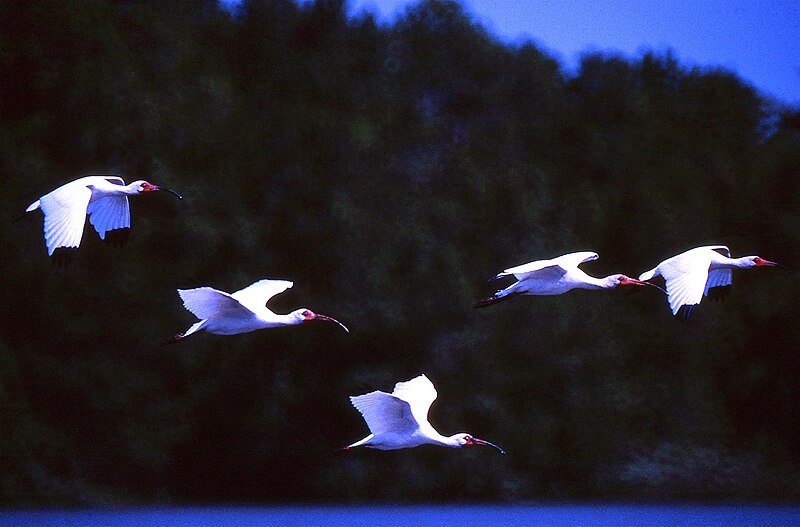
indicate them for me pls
(719, 293)
(685, 312)
(117, 237)
(62, 256)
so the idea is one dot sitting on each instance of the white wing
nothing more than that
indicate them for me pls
(685, 276)
(549, 269)
(719, 277)
(575, 259)
(721, 249)
(256, 295)
(384, 412)
(116, 180)
(686, 289)
(65, 215)
(419, 393)
(109, 213)
(206, 302)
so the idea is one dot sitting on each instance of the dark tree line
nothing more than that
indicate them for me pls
(388, 170)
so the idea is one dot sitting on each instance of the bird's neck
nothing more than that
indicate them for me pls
(723, 262)
(123, 190)
(590, 282)
(275, 320)
(131, 189)
(105, 188)
(452, 441)
(435, 438)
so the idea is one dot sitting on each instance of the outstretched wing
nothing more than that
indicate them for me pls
(552, 269)
(685, 290)
(719, 280)
(65, 215)
(718, 283)
(721, 249)
(575, 259)
(419, 393)
(384, 412)
(109, 213)
(256, 295)
(685, 276)
(538, 268)
(205, 302)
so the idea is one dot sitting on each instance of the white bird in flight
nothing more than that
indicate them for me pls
(400, 419)
(698, 272)
(555, 277)
(245, 310)
(103, 198)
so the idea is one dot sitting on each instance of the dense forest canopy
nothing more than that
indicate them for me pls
(389, 170)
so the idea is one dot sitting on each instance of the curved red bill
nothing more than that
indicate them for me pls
(169, 190)
(331, 319)
(634, 281)
(476, 441)
(760, 262)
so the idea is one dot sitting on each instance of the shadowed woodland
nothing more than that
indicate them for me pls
(389, 170)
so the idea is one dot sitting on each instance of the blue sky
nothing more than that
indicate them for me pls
(759, 40)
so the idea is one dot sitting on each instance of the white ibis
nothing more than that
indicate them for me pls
(400, 419)
(245, 310)
(698, 272)
(103, 198)
(555, 277)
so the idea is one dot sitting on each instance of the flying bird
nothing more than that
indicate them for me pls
(103, 198)
(698, 272)
(554, 277)
(400, 419)
(245, 310)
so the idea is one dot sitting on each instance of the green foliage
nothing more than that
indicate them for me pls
(388, 171)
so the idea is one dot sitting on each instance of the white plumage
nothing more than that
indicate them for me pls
(698, 272)
(245, 310)
(554, 277)
(400, 419)
(103, 198)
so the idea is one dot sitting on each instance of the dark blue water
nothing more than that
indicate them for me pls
(426, 515)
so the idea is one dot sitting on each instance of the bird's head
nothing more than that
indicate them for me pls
(619, 280)
(757, 261)
(306, 315)
(465, 440)
(146, 186)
